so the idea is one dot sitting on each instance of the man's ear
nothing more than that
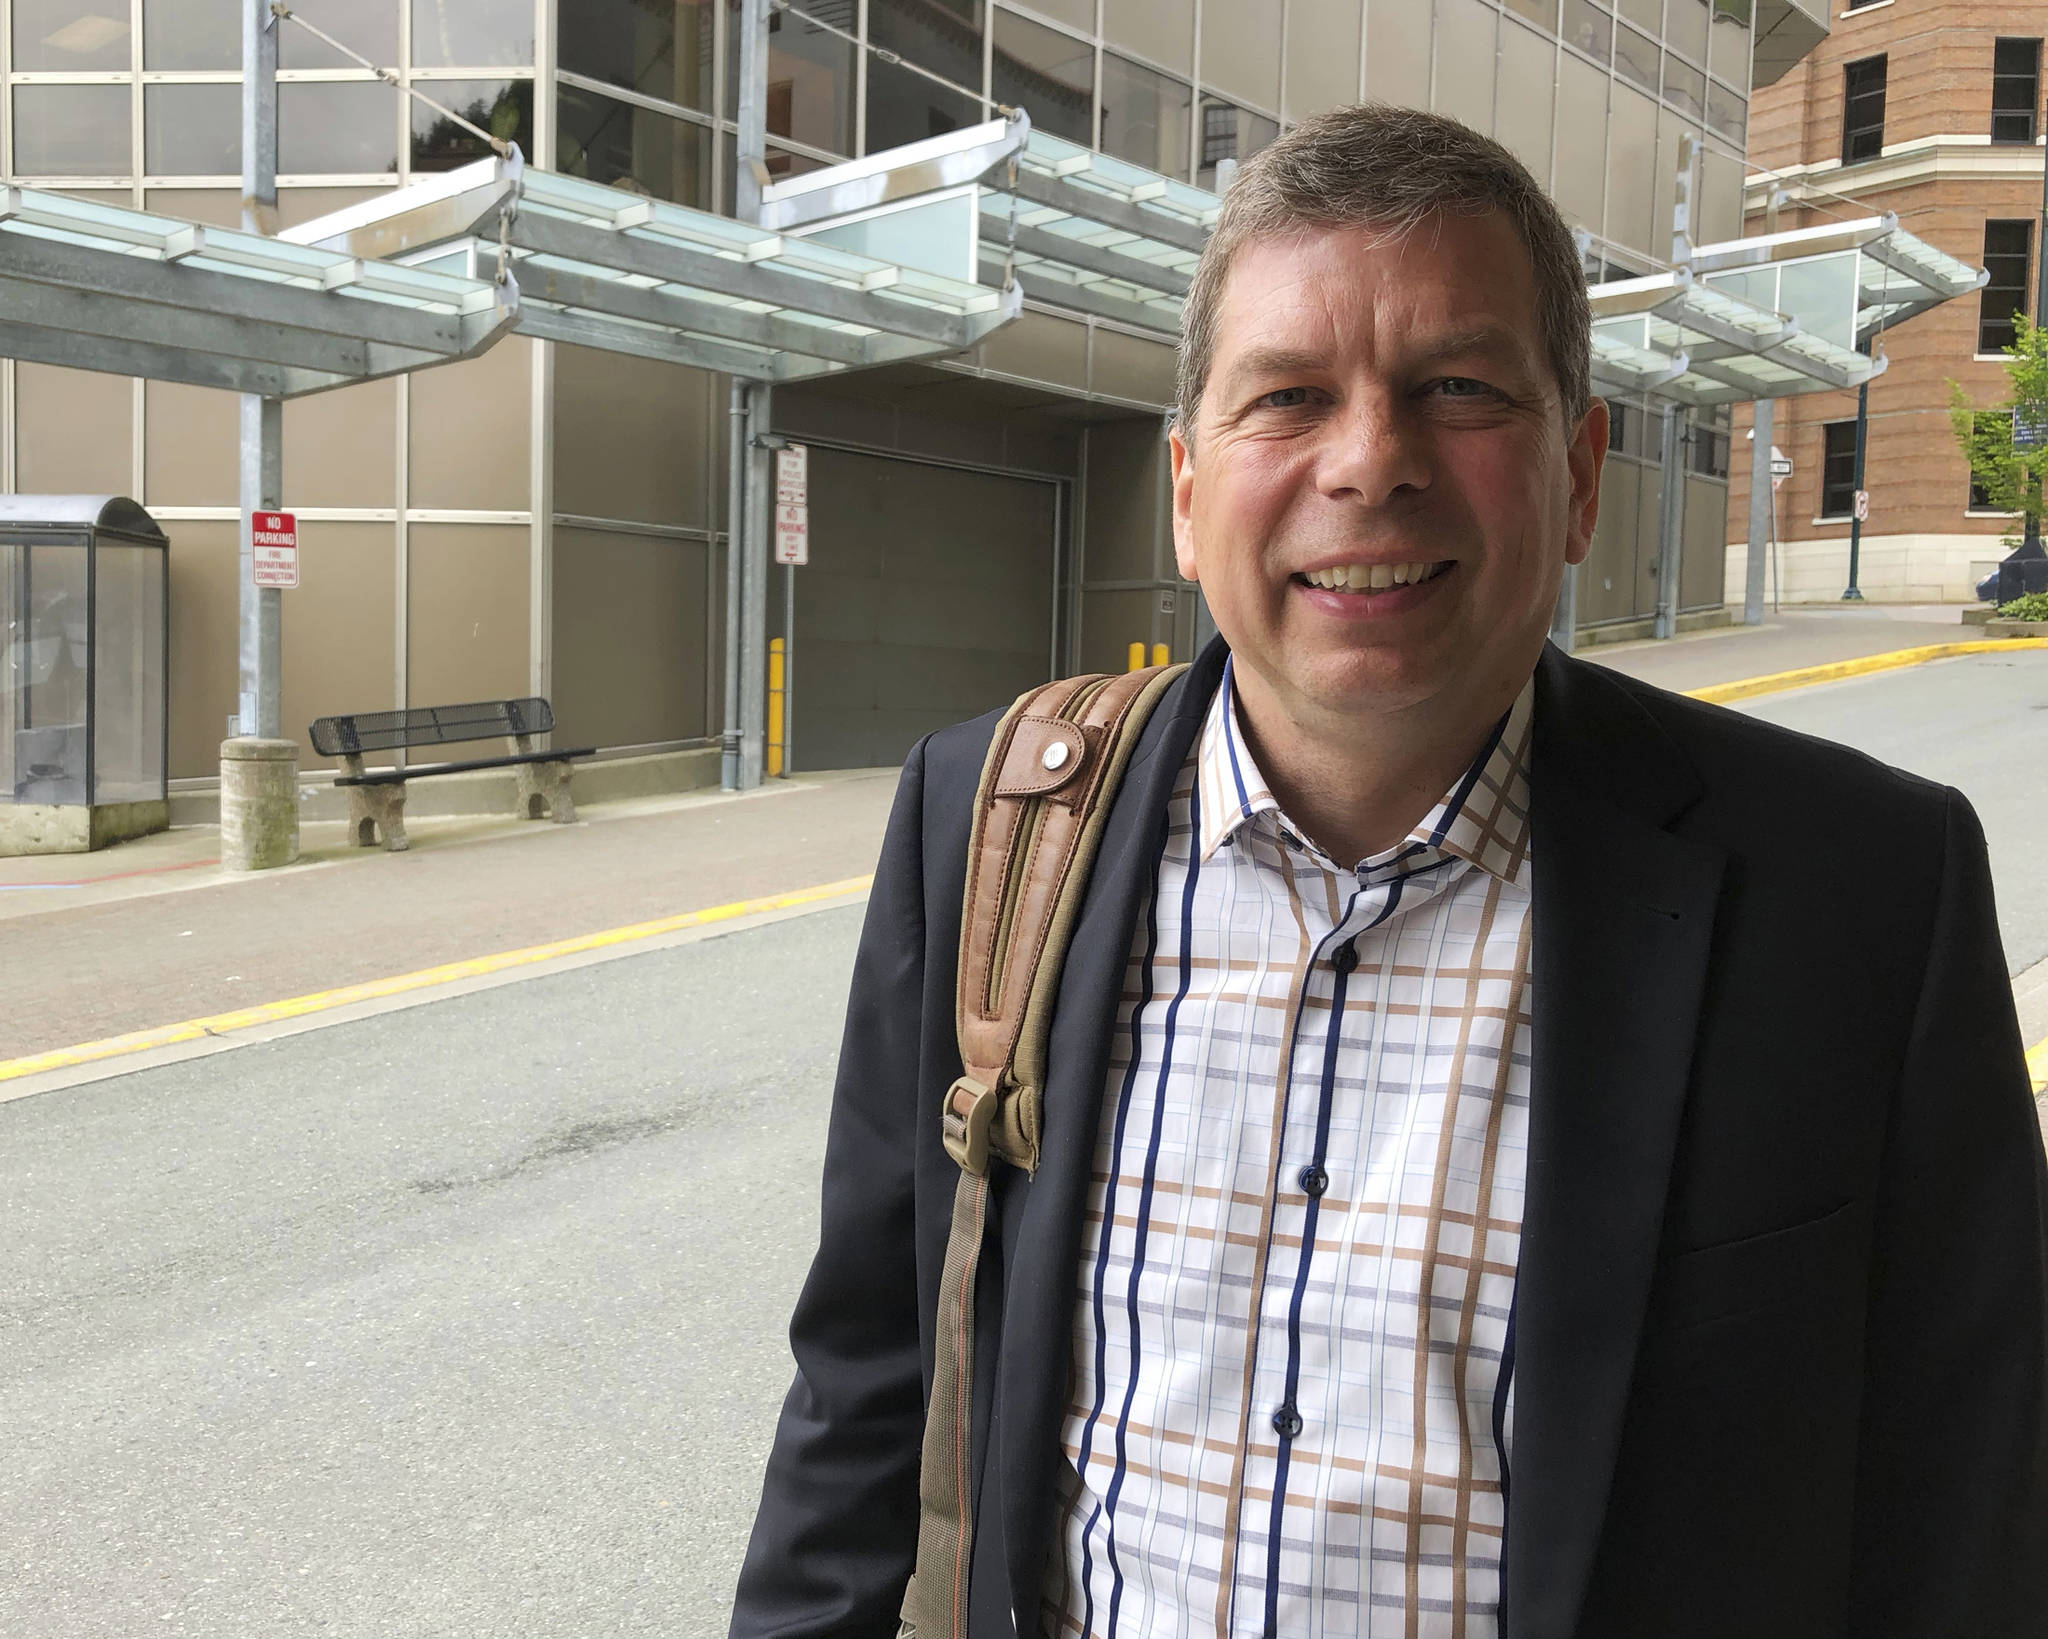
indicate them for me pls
(1183, 503)
(1586, 457)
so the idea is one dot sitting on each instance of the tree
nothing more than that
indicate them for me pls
(2006, 471)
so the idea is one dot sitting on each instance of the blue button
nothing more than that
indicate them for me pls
(1314, 1180)
(1287, 1421)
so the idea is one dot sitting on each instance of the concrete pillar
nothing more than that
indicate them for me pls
(259, 803)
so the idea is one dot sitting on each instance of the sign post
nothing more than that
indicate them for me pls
(792, 550)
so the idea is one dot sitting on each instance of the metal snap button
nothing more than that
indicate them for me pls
(1055, 755)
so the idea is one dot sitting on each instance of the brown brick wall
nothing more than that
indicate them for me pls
(1938, 84)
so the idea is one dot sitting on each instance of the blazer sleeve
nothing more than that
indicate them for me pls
(1951, 1529)
(835, 1539)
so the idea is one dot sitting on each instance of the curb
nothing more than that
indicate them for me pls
(1720, 694)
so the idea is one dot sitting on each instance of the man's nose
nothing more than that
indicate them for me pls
(1371, 451)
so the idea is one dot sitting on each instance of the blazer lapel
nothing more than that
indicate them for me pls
(1624, 914)
(1042, 1220)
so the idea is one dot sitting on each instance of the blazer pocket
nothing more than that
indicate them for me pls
(1756, 1273)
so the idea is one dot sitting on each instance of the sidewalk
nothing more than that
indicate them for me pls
(154, 932)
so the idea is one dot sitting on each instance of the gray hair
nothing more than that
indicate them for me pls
(1378, 166)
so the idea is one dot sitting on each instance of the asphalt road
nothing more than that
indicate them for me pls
(467, 1318)
(1978, 723)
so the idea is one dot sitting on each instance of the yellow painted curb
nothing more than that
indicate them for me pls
(2037, 1066)
(222, 1024)
(1719, 694)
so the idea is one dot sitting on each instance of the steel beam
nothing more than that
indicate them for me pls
(262, 448)
(1110, 263)
(754, 586)
(1759, 515)
(1671, 521)
(1074, 200)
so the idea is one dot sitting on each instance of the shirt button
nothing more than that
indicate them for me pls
(1314, 1180)
(1287, 1421)
(1345, 959)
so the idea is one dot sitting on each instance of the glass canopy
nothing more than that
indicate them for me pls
(100, 287)
(1770, 317)
(606, 268)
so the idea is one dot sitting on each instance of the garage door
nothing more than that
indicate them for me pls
(928, 600)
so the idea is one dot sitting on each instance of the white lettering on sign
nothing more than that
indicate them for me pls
(793, 476)
(274, 549)
(793, 535)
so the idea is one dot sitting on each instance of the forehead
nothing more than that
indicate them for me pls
(1330, 286)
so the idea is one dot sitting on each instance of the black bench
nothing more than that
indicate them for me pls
(376, 797)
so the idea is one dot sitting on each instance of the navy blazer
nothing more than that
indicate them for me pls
(1782, 1315)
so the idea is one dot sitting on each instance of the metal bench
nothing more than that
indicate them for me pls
(376, 797)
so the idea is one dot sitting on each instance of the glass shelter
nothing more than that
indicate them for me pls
(84, 673)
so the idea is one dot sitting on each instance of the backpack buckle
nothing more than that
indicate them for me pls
(966, 1116)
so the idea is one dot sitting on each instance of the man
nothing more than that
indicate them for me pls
(1524, 1154)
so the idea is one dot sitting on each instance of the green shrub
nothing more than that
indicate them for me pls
(2034, 606)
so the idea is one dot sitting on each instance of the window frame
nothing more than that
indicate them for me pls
(1834, 483)
(2002, 77)
(1859, 128)
(1996, 289)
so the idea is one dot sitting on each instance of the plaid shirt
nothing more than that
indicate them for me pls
(1312, 1155)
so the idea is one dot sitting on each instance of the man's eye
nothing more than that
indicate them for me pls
(1284, 398)
(1463, 387)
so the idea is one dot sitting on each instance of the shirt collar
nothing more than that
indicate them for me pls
(1483, 818)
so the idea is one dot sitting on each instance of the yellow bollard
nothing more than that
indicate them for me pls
(775, 707)
(1161, 655)
(1137, 658)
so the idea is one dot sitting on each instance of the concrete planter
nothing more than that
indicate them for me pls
(259, 804)
(2016, 628)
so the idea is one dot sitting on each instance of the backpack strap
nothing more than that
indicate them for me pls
(1052, 772)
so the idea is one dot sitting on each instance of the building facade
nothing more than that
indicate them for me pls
(1930, 109)
(548, 518)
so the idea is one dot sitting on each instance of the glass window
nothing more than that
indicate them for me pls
(2015, 89)
(1589, 28)
(633, 148)
(1685, 28)
(660, 48)
(79, 34)
(128, 674)
(366, 26)
(1163, 30)
(42, 682)
(1048, 73)
(502, 107)
(191, 34)
(1838, 469)
(1145, 116)
(1635, 58)
(810, 81)
(345, 128)
(192, 130)
(1728, 52)
(1543, 13)
(1074, 13)
(1727, 113)
(472, 33)
(906, 107)
(1709, 451)
(71, 130)
(1647, 15)
(1229, 132)
(2007, 247)
(1863, 109)
(1985, 424)
(1685, 87)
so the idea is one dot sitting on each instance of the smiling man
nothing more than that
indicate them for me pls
(1523, 1154)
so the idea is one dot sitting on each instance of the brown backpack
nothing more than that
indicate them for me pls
(1052, 773)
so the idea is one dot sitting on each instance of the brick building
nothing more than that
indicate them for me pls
(1930, 109)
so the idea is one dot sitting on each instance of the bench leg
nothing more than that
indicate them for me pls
(375, 809)
(544, 787)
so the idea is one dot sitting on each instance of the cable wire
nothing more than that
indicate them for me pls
(889, 57)
(389, 76)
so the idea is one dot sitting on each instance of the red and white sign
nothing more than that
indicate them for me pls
(793, 505)
(793, 535)
(1863, 506)
(274, 549)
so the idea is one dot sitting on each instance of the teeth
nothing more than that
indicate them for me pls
(1359, 577)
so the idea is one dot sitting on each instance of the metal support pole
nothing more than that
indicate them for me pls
(754, 587)
(2032, 533)
(1671, 522)
(262, 452)
(751, 153)
(735, 557)
(1853, 593)
(1759, 513)
(788, 669)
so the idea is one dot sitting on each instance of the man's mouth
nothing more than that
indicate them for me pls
(1374, 577)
